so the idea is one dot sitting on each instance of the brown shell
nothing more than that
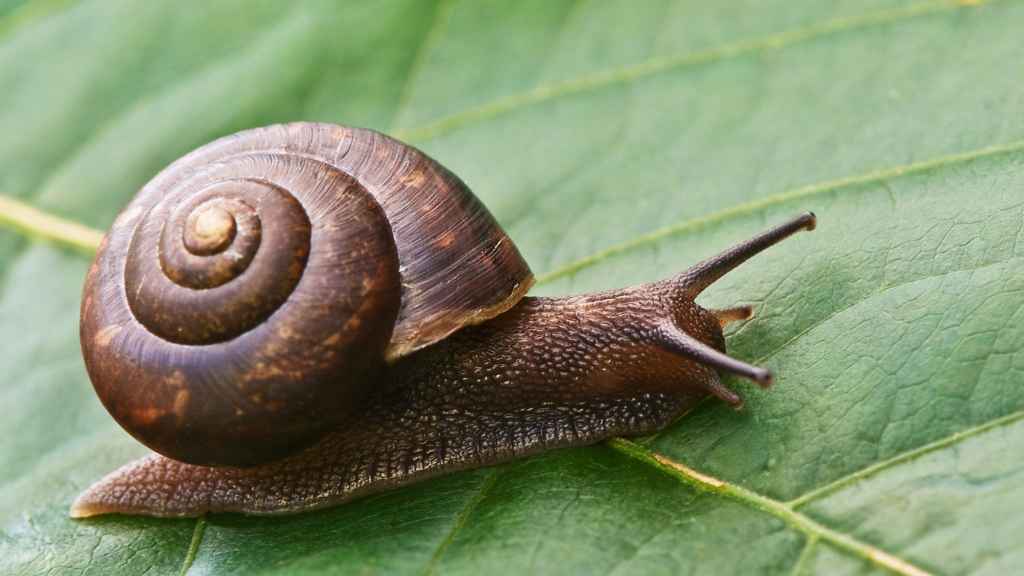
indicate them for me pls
(265, 339)
(458, 266)
(247, 299)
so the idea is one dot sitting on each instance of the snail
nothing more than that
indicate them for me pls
(297, 315)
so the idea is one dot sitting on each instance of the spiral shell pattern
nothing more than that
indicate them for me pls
(250, 295)
(240, 307)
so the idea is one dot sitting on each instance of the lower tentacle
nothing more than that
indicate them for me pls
(727, 316)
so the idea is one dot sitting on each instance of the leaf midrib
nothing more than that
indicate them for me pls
(789, 509)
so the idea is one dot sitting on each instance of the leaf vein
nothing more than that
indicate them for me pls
(193, 545)
(781, 510)
(907, 456)
(867, 296)
(34, 222)
(805, 555)
(658, 65)
(800, 193)
(461, 519)
(442, 10)
(139, 101)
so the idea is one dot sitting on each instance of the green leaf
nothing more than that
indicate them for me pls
(617, 142)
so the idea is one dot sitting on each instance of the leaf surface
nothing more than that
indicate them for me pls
(616, 144)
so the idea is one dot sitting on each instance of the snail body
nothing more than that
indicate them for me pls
(298, 315)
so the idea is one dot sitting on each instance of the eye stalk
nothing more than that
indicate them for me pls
(687, 285)
(697, 278)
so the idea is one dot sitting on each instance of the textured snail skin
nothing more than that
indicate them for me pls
(549, 373)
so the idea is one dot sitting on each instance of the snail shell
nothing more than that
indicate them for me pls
(244, 302)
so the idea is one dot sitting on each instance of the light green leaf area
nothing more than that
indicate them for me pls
(617, 142)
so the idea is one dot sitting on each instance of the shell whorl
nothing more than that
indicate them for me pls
(458, 266)
(248, 297)
(206, 238)
(240, 307)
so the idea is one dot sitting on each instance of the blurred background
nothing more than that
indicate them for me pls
(616, 142)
